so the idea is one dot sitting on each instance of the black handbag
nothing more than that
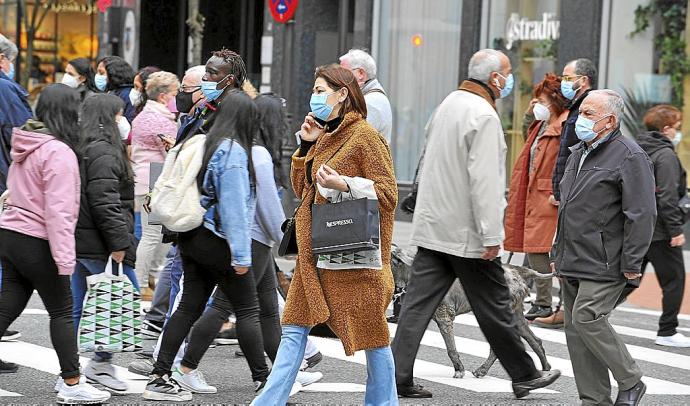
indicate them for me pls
(684, 204)
(288, 245)
(350, 225)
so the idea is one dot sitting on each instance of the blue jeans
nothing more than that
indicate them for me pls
(137, 225)
(175, 265)
(88, 267)
(381, 389)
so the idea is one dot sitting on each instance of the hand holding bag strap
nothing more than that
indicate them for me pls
(109, 268)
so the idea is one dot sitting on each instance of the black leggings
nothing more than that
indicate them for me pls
(206, 263)
(206, 329)
(28, 264)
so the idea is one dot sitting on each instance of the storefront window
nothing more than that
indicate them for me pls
(527, 31)
(418, 52)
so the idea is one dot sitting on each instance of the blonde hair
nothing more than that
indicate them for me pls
(160, 83)
(248, 88)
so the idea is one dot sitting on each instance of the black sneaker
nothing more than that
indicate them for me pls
(11, 335)
(415, 391)
(258, 385)
(152, 329)
(239, 354)
(313, 360)
(8, 367)
(166, 389)
(521, 389)
(227, 337)
(537, 311)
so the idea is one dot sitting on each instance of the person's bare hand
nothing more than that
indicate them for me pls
(632, 275)
(678, 241)
(241, 270)
(552, 266)
(169, 143)
(118, 256)
(310, 130)
(490, 253)
(329, 178)
(553, 201)
(147, 204)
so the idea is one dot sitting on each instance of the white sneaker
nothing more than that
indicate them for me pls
(194, 381)
(81, 394)
(296, 387)
(676, 340)
(104, 373)
(60, 382)
(307, 378)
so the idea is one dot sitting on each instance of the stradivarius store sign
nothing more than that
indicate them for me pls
(521, 29)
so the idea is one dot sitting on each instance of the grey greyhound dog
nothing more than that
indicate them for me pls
(455, 303)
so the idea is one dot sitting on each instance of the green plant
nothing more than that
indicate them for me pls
(670, 42)
(635, 107)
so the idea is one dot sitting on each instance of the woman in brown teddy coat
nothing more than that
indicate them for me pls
(339, 153)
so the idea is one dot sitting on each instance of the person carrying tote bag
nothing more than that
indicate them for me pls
(338, 146)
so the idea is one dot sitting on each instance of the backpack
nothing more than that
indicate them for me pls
(176, 198)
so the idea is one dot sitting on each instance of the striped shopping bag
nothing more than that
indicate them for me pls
(110, 320)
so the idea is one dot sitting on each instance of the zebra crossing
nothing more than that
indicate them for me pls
(666, 369)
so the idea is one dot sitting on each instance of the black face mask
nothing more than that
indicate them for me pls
(185, 101)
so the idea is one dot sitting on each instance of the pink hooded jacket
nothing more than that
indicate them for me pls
(44, 187)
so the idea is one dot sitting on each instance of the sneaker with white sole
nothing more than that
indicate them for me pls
(142, 367)
(60, 382)
(307, 378)
(81, 394)
(151, 329)
(676, 340)
(103, 373)
(166, 389)
(259, 386)
(11, 335)
(296, 387)
(193, 381)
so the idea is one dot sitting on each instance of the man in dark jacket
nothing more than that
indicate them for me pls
(666, 250)
(14, 108)
(605, 224)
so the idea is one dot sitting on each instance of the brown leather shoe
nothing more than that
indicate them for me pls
(553, 321)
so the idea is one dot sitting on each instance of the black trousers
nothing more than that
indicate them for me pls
(206, 329)
(485, 286)
(28, 264)
(670, 271)
(206, 263)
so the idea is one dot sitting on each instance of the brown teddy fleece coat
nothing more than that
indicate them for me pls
(352, 302)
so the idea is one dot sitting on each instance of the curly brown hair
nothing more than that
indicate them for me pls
(551, 86)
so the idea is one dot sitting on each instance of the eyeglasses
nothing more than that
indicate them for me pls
(568, 78)
(189, 89)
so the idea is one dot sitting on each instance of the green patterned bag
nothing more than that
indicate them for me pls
(110, 320)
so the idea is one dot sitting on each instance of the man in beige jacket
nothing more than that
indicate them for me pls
(458, 227)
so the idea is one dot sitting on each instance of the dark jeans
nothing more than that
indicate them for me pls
(206, 329)
(206, 263)
(485, 286)
(28, 264)
(670, 271)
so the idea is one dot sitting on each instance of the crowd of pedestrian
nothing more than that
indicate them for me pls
(82, 193)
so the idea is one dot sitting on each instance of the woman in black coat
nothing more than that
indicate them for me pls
(105, 229)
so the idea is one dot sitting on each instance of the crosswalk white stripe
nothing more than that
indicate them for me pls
(425, 370)
(8, 393)
(639, 353)
(481, 349)
(45, 359)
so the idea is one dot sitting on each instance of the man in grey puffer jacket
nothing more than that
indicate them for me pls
(605, 224)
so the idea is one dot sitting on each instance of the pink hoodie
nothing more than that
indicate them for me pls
(44, 187)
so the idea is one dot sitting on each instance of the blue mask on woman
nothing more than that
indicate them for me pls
(320, 107)
(101, 81)
(510, 82)
(584, 128)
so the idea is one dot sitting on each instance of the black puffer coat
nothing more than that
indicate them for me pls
(106, 214)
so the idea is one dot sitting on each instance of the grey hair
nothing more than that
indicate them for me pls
(614, 102)
(585, 67)
(160, 83)
(197, 72)
(359, 59)
(483, 63)
(7, 47)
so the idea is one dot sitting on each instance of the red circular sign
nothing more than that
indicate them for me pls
(282, 10)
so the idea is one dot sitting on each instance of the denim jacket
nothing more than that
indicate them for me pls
(228, 195)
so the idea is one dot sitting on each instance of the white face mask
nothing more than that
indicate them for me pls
(135, 97)
(124, 127)
(541, 112)
(69, 80)
(677, 139)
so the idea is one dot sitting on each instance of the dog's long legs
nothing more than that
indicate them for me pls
(484, 368)
(444, 318)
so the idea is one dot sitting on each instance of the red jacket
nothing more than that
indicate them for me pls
(530, 220)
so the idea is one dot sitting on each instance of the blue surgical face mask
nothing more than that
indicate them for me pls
(676, 140)
(510, 82)
(101, 81)
(568, 90)
(209, 90)
(584, 128)
(319, 106)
